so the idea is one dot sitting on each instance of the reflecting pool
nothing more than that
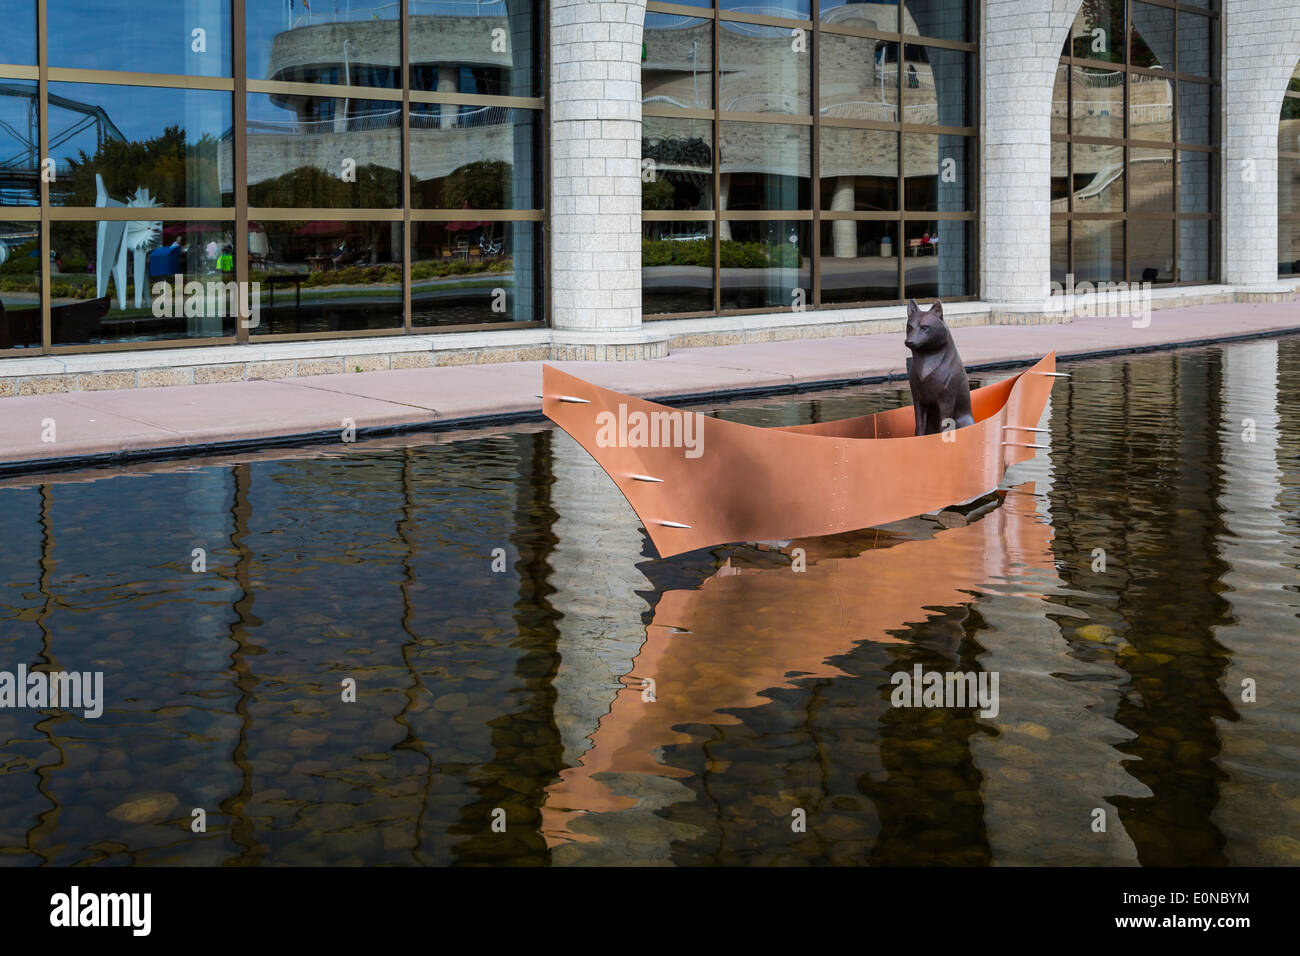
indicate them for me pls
(518, 657)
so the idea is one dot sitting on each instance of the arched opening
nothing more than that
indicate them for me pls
(1134, 146)
(1288, 180)
(808, 156)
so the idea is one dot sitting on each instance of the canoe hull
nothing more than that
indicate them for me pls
(739, 483)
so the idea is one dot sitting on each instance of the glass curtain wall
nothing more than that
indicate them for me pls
(329, 169)
(1288, 181)
(807, 154)
(1135, 145)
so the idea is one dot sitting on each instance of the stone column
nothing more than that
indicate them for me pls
(1261, 47)
(1021, 47)
(596, 182)
(724, 190)
(844, 232)
(448, 82)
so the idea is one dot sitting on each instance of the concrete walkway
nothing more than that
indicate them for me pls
(90, 427)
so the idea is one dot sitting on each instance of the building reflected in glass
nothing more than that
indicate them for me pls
(850, 183)
(362, 167)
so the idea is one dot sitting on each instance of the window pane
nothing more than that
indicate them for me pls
(1288, 182)
(1151, 180)
(676, 267)
(321, 151)
(190, 37)
(116, 281)
(1151, 108)
(1288, 247)
(18, 39)
(790, 9)
(761, 71)
(1098, 31)
(1060, 252)
(1098, 108)
(1060, 177)
(764, 166)
(464, 273)
(1151, 39)
(20, 285)
(1195, 182)
(873, 16)
(1061, 101)
(472, 157)
(175, 144)
(937, 259)
(1195, 44)
(859, 261)
(1098, 250)
(681, 154)
(677, 68)
(20, 144)
(473, 47)
(1098, 178)
(1288, 130)
(859, 78)
(945, 19)
(325, 44)
(859, 169)
(1195, 250)
(1151, 250)
(1196, 112)
(937, 85)
(765, 265)
(936, 167)
(327, 276)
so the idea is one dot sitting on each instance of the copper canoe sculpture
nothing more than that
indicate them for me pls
(696, 481)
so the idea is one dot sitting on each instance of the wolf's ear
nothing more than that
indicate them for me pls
(912, 308)
(937, 309)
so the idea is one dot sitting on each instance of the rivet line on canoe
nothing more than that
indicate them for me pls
(674, 524)
(565, 398)
(1020, 444)
(645, 478)
(1026, 428)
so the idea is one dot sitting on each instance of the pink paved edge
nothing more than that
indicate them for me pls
(90, 423)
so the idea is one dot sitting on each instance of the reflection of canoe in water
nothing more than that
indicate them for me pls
(715, 649)
(696, 481)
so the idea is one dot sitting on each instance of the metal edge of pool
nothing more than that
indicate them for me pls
(31, 466)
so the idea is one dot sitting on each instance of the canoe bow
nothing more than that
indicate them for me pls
(697, 482)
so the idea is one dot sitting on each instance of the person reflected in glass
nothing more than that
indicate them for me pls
(340, 253)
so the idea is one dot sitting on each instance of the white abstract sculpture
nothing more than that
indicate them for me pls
(115, 237)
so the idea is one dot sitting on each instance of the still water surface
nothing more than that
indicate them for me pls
(522, 691)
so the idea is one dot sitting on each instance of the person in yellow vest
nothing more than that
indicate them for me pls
(226, 261)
